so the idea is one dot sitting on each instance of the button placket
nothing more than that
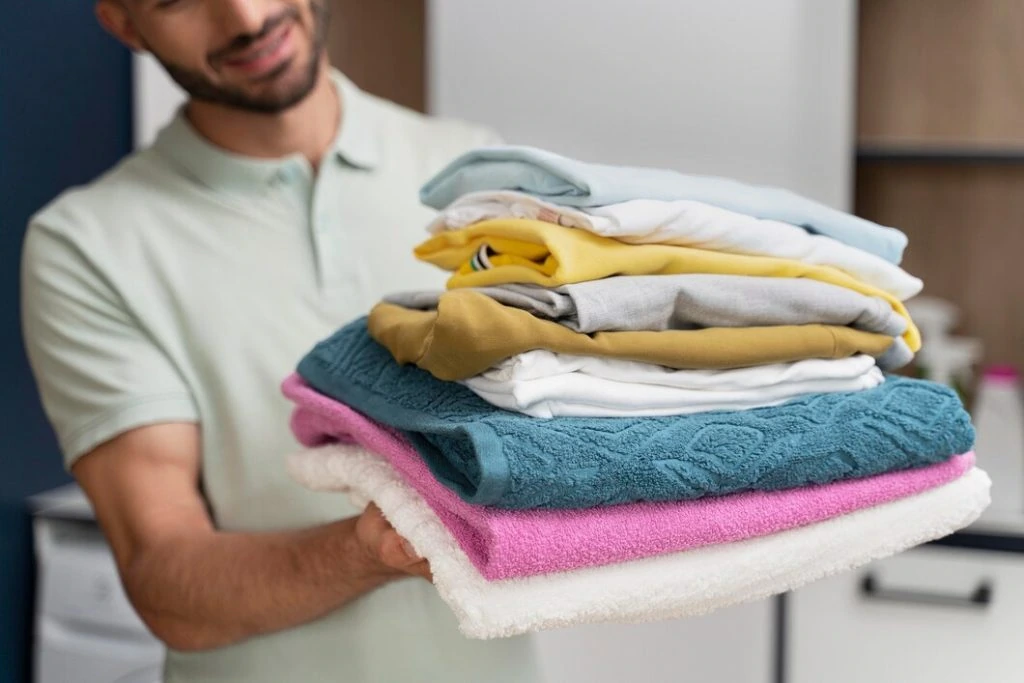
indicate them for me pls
(324, 235)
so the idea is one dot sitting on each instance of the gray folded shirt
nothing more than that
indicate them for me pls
(681, 302)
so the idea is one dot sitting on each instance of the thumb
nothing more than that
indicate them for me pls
(396, 552)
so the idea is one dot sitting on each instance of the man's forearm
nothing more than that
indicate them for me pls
(220, 588)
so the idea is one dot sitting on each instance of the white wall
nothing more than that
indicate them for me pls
(760, 90)
(156, 98)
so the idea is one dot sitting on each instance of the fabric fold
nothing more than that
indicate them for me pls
(688, 583)
(570, 182)
(512, 543)
(685, 302)
(495, 457)
(688, 224)
(580, 395)
(507, 251)
(470, 333)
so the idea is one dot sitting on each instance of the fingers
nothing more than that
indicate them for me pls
(395, 552)
(421, 569)
(387, 546)
(372, 525)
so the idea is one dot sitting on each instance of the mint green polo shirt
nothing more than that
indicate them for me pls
(184, 285)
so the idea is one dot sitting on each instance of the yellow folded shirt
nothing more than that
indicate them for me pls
(524, 250)
(470, 332)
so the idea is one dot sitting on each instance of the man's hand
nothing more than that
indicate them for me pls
(198, 587)
(383, 545)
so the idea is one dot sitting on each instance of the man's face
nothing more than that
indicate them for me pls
(256, 55)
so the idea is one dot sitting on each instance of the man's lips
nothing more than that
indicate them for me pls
(265, 54)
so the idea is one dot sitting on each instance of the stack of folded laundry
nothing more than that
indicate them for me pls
(643, 395)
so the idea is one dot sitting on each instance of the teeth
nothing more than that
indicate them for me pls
(262, 52)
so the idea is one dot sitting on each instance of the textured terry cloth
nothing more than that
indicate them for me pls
(685, 302)
(534, 252)
(580, 395)
(688, 583)
(495, 457)
(470, 332)
(509, 543)
(558, 179)
(688, 224)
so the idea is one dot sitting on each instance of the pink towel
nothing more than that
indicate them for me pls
(511, 543)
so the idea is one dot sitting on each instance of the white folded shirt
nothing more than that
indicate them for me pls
(682, 584)
(546, 384)
(685, 223)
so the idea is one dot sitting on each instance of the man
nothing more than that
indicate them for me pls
(164, 304)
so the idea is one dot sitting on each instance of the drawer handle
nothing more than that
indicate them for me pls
(979, 598)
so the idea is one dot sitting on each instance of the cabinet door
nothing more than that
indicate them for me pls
(934, 615)
(732, 645)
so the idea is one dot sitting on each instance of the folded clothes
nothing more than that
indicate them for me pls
(558, 179)
(510, 543)
(685, 302)
(580, 395)
(512, 250)
(688, 224)
(541, 364)
(470, 332)
(495, 457)
(545, 384)
(688, 583)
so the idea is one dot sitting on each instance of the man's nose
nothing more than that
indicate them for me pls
(241, 17)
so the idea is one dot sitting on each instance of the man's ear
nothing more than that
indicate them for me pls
(113, 16)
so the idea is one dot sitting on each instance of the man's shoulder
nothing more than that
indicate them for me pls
(139, 180)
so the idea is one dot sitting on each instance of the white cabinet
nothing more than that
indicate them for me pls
(931, 615)
(86, 629)
(732, 645)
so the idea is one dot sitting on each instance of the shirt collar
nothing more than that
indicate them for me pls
(355, 144)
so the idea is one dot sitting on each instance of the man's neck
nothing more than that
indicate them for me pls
(308, 128)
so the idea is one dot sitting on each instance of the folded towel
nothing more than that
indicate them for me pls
(510, 250)
(470, 332)
(558, 179)
(686, 302)
(576, 394)
(688, 224)
(681, 584)
(509, 543)
(494, 457)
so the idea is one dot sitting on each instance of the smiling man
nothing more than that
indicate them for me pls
(164, 303)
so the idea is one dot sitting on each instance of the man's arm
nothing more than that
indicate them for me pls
(199, 588)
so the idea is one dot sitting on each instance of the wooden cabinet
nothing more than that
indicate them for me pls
(940, 127)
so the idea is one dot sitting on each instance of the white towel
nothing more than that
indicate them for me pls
(686, 223)
(683, 584)
(545, 384)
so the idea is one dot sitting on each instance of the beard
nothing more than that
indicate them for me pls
(199, 87)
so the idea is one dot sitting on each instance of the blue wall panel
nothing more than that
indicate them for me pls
(65, 116)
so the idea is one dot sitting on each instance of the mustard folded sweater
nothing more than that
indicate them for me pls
(540, 253)
(470, 332)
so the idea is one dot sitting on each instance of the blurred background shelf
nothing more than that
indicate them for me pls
(939, 153)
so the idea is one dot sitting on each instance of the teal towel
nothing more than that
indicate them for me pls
(494, 457)
(561, 180)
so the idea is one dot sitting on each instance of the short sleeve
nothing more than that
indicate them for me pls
(99, 373)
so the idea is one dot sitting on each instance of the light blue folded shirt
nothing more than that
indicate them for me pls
(560, 180)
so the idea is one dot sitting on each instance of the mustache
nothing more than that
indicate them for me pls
(242, 42)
